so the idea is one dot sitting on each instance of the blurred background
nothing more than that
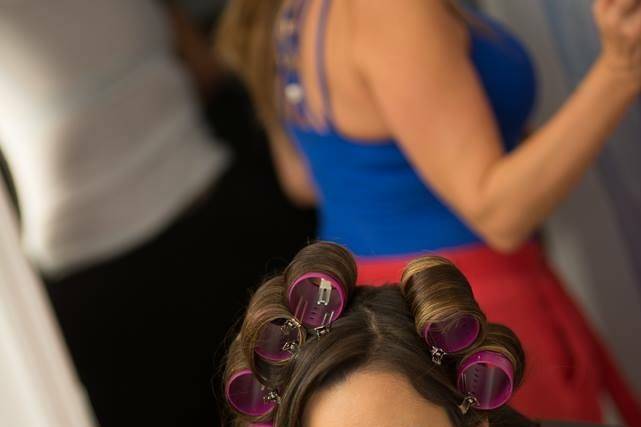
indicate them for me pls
(139, 204)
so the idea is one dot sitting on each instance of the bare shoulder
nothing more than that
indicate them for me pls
(383, 25)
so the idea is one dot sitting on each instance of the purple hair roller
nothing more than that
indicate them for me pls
(279, 340)
(451, 337)
(316, 299)
(248, 396)
(486, 378)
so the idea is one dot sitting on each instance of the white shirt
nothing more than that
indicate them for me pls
(39, 387)
(99, 125)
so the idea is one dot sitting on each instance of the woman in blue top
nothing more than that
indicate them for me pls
(400, 120)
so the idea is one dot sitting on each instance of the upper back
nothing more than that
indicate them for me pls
(372, 199)
(330, 67)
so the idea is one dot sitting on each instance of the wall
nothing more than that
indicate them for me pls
(594, 238)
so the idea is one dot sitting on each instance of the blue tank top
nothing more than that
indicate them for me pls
(370, 197)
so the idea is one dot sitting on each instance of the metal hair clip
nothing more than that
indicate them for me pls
(292, 347)
(486, 378)
(324, 292)
(437, 355)
(279, 342)
(316, 300)
(451, 337)
(322, 331)
(292, 325)
(272, 396)
(469, 401)
(326, 326)
(289, 326)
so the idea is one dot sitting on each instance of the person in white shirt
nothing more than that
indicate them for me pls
(147, 230)
(100, 128)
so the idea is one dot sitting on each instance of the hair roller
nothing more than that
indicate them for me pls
(270, 329)
(492, 372)
(320, 280)
(244, 392)
(441, 300)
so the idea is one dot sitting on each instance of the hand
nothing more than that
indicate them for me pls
(619, 23)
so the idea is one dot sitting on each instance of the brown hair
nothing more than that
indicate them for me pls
(378, 329)
(438, 293)
(269, 302)
(265, 307)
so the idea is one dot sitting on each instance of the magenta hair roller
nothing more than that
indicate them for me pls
(486, 378)
(316, 299)
(248, 396)
(451, 337)
(279, 340)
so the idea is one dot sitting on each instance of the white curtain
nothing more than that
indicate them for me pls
(37, 385)
(594, 238)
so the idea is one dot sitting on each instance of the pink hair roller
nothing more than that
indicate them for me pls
(248, 396)
(316, 299)
(486, 378)
(451, 337)
(279, 340)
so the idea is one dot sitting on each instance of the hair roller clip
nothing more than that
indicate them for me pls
(280, 340)
(451, 337)
(248, 396)
(486, 378)
(468, 402)
(316, 299)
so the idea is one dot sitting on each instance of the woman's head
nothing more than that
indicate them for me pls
(376, 363)
(370, 397)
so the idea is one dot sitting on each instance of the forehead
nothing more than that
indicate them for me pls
(368, 399)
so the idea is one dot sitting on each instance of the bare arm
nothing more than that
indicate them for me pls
(293, 173)
(434, 104)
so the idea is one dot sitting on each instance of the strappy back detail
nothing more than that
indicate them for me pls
(291, 92)
(321, 64)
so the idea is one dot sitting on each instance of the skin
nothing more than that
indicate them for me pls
(372, 398)
(402, 70)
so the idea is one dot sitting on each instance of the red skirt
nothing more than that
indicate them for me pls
(568, 367)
